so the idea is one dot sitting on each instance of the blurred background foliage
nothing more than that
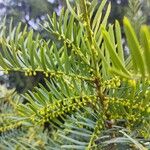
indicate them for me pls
(33, 12)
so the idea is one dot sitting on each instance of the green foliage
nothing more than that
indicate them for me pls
(93, 98)
(135, 14)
